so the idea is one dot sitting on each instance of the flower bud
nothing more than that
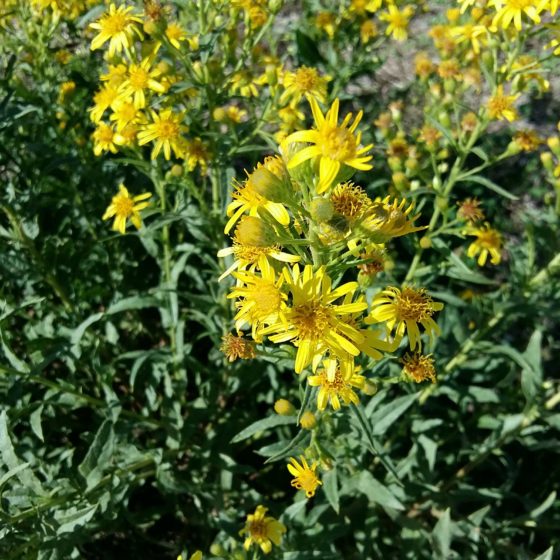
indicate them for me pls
(425, 242)
(308, 420)
(547, 161)
(554, 145)
(321, 209)
(266, 184)
(254, 232)
(284, 407)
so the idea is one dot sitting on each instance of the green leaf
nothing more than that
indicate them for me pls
(374, 490)
(69, 522)
(307, 50)
(430, 449)
(382, 419)
(98, 455)
(330, 487)
(290, 448)
(441, 535)
(35, 422)
(263, 425)
(11, 460)
(479, 179)
(546, 555)
(461, 271)
(549, 502)
(133, 302)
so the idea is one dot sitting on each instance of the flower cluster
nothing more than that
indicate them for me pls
(298, 226)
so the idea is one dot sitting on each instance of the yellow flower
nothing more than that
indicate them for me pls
(195, 152)
(237, 347)
(259, 298)
(304, 81)
(350, 201)
(104, 139)
(165, 130)
(243, 82)
(104, 98)
(403, 311)
(397, 21)
(246, 198)
(470, 210)
(140, 78)
(368, 30)
(334, 145)
(500, 106)
(175, 34)
(305, 477)
(418, 368)
(326, 22)
(475, 34)
(124, 206)
(527, 140)
(125, 113)
(386, 219)
(118, 26)
(336, 382)
(513, 10)
(314, 323)
(488, 242)
(262, 530)
(361, 7)
(115, 76)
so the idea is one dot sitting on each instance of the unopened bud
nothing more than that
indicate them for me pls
(321, 210)
(308, 420)
(254, 232)
(284, 407)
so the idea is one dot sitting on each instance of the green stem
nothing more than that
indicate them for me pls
(27, 242)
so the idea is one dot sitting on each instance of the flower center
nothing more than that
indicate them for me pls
(123, 205)
(267, 299)
(499, 103)
(308, 481)
(414, 305)
(105, 135)
(305, 79)
(167, 129)
(115, 24)
(338, 143)
(311, 320)
(257, 529)
(488, 239)
(139, 78)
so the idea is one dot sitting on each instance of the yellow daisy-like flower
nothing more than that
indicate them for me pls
(397, 21)
(314, 323)
(334, 145)
(246, 198)
(260, 298)
(304, 81)
(488, 242)
(501, 107)
(124, 206)
(118, 26)
(513, 10)
(237, 347)
(165, 131)
(262, 530)
(305, 477)
(104, 139)
(350, 201)
(175, 34)
(418, 368)
(386, 219)
(336, 382)
(104, 98)
(125, 113)
(140, 78)
(362, 7)
(402, 311)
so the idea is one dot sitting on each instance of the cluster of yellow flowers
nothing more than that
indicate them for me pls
(299, 227)
(134, 105)
(551, 163)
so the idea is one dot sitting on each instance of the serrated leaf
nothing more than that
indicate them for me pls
(70, 522)
(98, 455)
(263, 425)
